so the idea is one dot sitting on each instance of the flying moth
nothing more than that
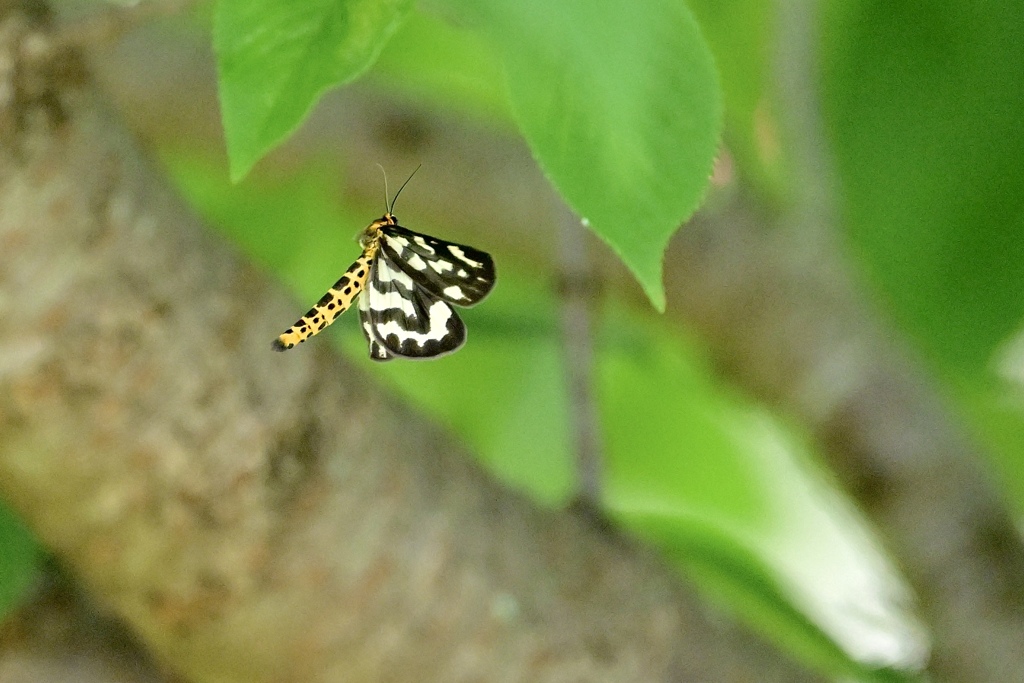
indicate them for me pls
(406, 284)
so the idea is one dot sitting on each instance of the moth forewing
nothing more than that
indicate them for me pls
(457, 273)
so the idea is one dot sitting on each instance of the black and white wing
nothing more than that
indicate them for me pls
(458, 274)
(377, 350)
(400, 318)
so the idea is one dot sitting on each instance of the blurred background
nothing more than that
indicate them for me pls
(842, 353)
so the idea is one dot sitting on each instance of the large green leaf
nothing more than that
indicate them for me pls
(925, 103)
(732, 493)
(446, 67)
(620, 104)
(277, 57)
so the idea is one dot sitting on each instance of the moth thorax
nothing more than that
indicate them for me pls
(372, 232)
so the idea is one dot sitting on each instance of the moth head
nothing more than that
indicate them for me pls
(372, 232)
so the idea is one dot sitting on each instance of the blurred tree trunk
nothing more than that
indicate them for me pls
(59, 636)
(270, 517)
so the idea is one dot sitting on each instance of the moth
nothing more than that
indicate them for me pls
(406, 284)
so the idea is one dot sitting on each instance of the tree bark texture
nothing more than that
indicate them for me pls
(58, 636)
(265, 517)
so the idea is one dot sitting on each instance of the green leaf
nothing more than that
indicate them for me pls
(724, 567)
(277, 57)
(446, 67)
(19, 557)
(734, 495)
(742, 36)
(621, 106)
(925, 105)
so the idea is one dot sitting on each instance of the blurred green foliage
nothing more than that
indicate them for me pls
(620, 103)
(276, 58)
(925, 104)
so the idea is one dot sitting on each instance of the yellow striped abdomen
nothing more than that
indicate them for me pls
(335, 302)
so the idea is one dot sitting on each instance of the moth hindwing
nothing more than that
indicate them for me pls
(406, 283)
(401, 318)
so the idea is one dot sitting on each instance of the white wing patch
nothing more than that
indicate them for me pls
(377, 350)
(443, 266)
(416, 262)
(385, 298)
(385, 273)
(454, 293)
(440, 313)
(461, 255)
(398, 241)
(423, 244)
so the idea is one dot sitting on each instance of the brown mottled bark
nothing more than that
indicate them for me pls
(255, 516)
(57, 636)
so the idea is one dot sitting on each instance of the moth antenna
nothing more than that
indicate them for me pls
(387, 209)
(392, 208)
